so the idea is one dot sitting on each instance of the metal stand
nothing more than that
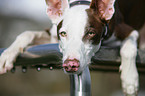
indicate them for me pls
(80, 85)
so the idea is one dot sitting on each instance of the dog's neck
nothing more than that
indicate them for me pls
(79, 2)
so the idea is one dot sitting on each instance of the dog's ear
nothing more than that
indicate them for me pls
(56, 9)
(104, 8)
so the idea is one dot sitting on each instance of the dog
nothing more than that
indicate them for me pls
(80, 27)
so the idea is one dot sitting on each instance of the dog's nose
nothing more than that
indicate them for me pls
(71, 65)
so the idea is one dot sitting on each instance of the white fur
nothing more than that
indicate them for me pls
(129, 74)
(53, 32)
(8, 57)
(75, 30)
(72, 46)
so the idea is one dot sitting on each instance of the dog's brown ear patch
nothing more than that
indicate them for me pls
(56, 9)
(105, 8)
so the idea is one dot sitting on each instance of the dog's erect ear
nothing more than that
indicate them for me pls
(104, 8)
(56, 9)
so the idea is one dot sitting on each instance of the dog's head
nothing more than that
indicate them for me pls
(80, 30)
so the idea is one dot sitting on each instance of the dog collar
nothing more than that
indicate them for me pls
(106, 31)
(80, 3)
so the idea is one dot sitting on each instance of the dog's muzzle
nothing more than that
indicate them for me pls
(71, 65)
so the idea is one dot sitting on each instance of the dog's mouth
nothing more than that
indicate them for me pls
(72, 69)
(71, 65)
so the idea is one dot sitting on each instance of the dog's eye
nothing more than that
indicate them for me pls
(91, 34)
(63, 34)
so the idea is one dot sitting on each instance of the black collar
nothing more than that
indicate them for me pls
(106, 32)
(80, 3)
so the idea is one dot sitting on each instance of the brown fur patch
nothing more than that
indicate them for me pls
(122, 31)
(94, 25)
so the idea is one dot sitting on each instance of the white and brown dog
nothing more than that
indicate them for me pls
(81, 26)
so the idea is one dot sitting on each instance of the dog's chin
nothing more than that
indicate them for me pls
(72, 73)
(79, 71)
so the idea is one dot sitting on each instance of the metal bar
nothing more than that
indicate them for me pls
(48, 56)
(80, 85)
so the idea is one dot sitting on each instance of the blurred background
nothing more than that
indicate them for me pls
(17, 16)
